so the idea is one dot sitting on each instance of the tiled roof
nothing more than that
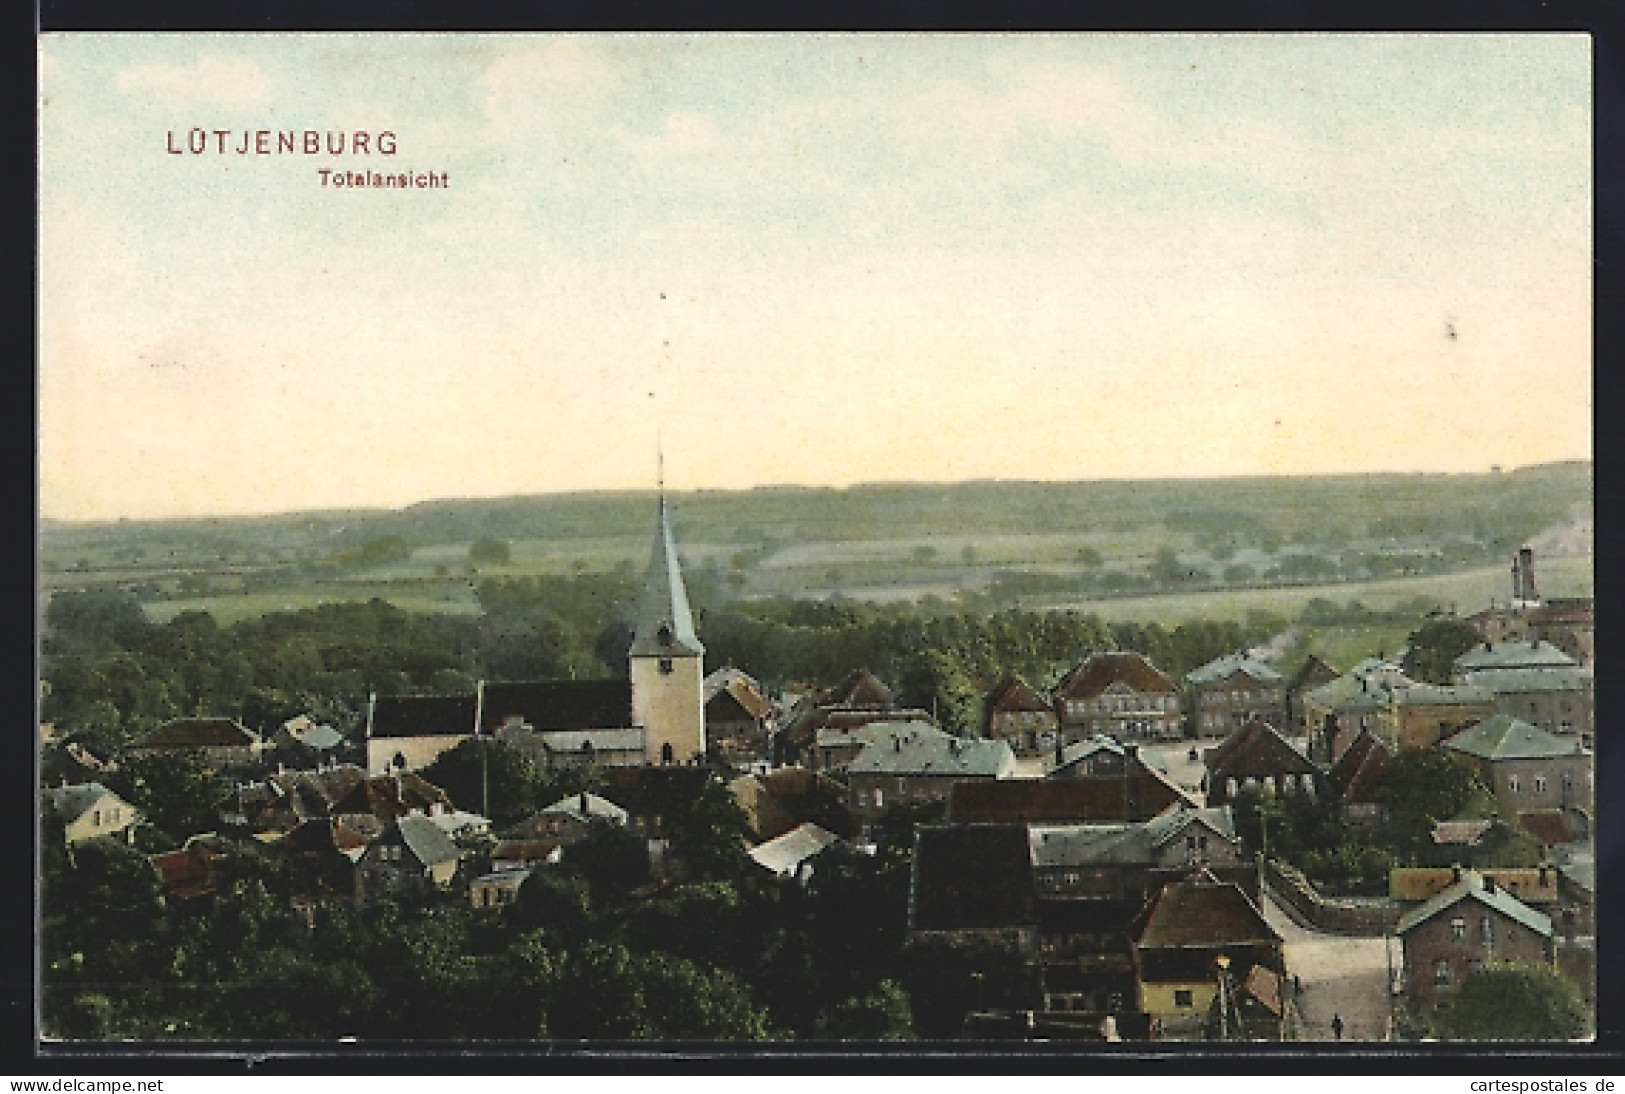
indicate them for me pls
(784, 854)
(1525, 681)
(426, 841)
(586, 806)
(1204, 913)
(1076, 753)
(1222, 668)
(1471, 887)
(199, 733)
(1168, 826)
(664, 625)
(72, 802)
(860, 689)
(1357, 774)
(976, 876)
(1436, 695)
(931, 755)
(1504, 737)
(1057, 846)
(1091, 799)
(390, 796)
(1464, 833)
(558, 705)
(810, 724)
(1256, 749)
(422, 715)
(726, 685)
(869, 733)
(1014, 694)
(1513, 655)
(1312, 673)
(1550, 826)
(1100, 671)
(1528, 883)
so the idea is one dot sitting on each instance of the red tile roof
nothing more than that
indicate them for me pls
(1100, 671)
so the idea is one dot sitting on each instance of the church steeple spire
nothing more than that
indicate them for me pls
(665, 625)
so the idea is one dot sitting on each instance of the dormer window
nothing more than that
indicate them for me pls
(663, 635)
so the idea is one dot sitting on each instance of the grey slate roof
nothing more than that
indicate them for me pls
(943, 755)
(875, 733)
(1436, 695)
(587, 807)
(1088, 844)
(1222, 668)
(72, 802)
(1504, 737)
(1524, 681)
(665, 626)
(425, 840)
(784, 854)
(1167, 826)
(1471, 887)
(1513, 655)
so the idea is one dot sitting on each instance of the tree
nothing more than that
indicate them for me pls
(882, 1015)
(97, 616)
(481, 770)
(1514, 1003)
(709, 834)
(611, 859)
(173, 791)
(1422, 788)
(1434, 647)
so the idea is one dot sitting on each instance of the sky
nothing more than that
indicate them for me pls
(812, 259)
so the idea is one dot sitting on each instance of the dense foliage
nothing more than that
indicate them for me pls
(1514, 1003)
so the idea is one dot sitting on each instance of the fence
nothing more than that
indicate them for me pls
(1304, 904)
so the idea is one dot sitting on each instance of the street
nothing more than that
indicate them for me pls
(1341, 975)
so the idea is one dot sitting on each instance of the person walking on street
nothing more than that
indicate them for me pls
(1337, 1027)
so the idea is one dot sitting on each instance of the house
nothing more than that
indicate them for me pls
(859, 690)
(1473, 924)
(777, 801)
(1120, 694)
(1256, 757)
(1530, 654)
(225, 744)
(1199, 944)
(69, 763)
(1567, 622)
(570, 819)
(1099, 782)
(1333, 714)
(1558, 699)
(521, 854)
(1017, 713)
(914, 768)
(1525, 766)
(738, 717)
(1537, 886)
(1230, 691)
(188, 875)
(410, 855)
(497, 889)
(788, 855)
(1310, 675)
(318, 860)
(858, 700)
(837, 745)
(973, 883)
(1357, 780)
(1422, 715)
(90, 811)
(564, 723)
(373, 803)
(283, 801)
(304, 732)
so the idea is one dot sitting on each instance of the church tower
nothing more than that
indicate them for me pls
(667, 661)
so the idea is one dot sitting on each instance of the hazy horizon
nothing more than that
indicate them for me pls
(803, 260)
(653, 491)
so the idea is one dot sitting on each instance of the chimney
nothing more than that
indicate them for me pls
(583, 803)
(1455, 873)
(1489, 884)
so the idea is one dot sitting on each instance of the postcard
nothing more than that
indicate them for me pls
(815, 539)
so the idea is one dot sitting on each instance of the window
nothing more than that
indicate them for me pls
(1486, 933)
(96, 817)
(1458, 929)
(863, 799)
(1512, 784)
(1540, 784)
(1441, 973)
(880, 798)
(1230, 787)
(665, 666)
(1183, 998)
